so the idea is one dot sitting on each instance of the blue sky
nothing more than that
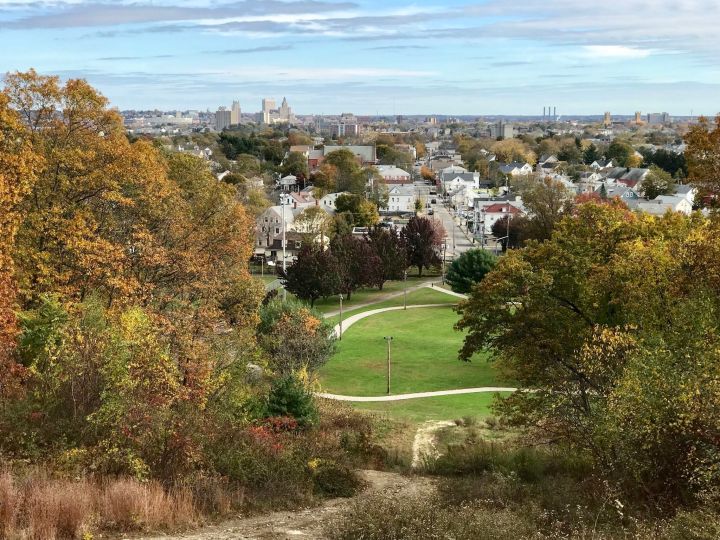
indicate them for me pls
(372, 56)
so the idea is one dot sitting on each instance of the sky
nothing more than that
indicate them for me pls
(387, 57)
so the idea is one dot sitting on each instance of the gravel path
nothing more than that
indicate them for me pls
(424, 444)
(310, 523)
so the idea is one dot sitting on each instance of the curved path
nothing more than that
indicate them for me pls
(399, 397)
(352, 319)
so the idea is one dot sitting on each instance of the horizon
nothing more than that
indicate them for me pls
(377, 58)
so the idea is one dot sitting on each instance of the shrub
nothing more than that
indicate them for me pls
(58, 509)
(468, 269)
(288, 397)
(9, 503)
(334, 480)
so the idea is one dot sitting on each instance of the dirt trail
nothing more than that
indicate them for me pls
(308, 523)
(424, 445)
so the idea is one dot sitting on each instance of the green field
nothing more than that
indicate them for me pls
(424, 355)
(363, 296)
(418, 298)
(433, 408)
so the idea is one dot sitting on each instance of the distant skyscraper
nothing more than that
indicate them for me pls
(222, 119)
(235, 113)
(608, 119)
(268, 105)
(655, 119)
(502, 130)
(638, 118)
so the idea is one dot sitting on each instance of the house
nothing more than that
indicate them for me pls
(269, 225)
(453, 182)
(660, 205)
(394, 175)
(548, 162)
(496, 211)
(515, 168)
(288, 182)
(631, 177)
(626, 194)
(602, 164)
(401, 199)
(686, 191)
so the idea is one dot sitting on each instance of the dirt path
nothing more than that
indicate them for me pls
(424, 445)
(309, 523)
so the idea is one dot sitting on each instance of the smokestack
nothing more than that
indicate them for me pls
(555, 112)
(543, 112)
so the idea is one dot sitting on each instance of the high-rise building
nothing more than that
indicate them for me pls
(638, 118)
(271, 115)
(222, 119)
(268, 105)
(235, 113)
(655, 119)
(502, 130)
(608, 119)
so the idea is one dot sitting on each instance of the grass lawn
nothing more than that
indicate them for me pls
(363, 296)
(419, 297)
(424, 355)
(433, 408)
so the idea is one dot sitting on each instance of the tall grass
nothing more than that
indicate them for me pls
(35, 507)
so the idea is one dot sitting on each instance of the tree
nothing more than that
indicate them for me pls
(315, 223)
(513, 150)
(546, 202)
(657, 182)
(513, 237)
(388, 245)
(599, 331)
(325, 179)
(364, 212)
(357, 263)
(621, 152)
(295, 337)
(314, 275)
(426, 173)
(423, 238)
(591, 154)
(468, 269)
(18, 166)
(703, 155)
(295, 164)
(349, 172)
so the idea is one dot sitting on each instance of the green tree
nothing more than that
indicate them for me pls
(657, 182)
(591, 154)
(315, 274)
(389, 247)
(295, 164)
(468, 269)
(621, 152)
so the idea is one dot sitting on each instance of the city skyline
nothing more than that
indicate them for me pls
(370, 57)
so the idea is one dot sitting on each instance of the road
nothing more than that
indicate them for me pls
(457, 241)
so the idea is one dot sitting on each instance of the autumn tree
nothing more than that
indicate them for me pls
(601, 319)
(621, 152)
(315, 274)
(357, 263)
(513, 150)
(388, 245)
(18, 164)
(703, 155)
(295, 337)
(364, 212)
(423, 238)
(546, 202)
(315, 223)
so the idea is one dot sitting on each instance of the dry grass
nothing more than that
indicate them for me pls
(128, 504)
(36, 507)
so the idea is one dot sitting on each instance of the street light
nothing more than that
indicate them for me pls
(341, 299)
(389, 341)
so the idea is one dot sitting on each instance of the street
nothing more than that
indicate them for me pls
(457, 241)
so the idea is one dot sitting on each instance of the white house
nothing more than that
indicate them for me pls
(661, 204)
(516, 168)
(401, 199)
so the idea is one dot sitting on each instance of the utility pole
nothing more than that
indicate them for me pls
(341, 317)
(389, 341)
(507, 223)
(283, 244)
(404, 290)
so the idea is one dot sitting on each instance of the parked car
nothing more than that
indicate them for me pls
(431, 212)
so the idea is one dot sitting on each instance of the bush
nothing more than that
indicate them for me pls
(420, 517)
(288, 397)
(468, 269)
(334, 480)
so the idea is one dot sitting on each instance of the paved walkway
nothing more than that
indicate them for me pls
(382, 298)
(400, 397)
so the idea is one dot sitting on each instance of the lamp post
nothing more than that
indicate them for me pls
(405, 290)
(389, 341)
(341, 317)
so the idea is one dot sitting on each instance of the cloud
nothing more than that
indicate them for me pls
(615, 52)
(251, 50)
(99, 14)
